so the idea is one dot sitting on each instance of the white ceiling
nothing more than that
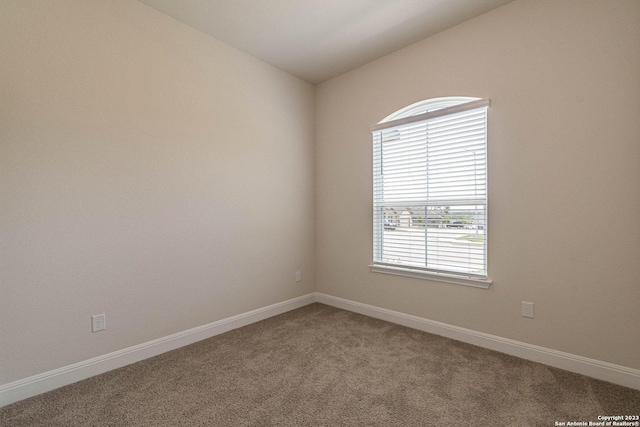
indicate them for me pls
(320, 39)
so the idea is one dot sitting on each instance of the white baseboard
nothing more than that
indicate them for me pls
(37, 384)
(605, 371)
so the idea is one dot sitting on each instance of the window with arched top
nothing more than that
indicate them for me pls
(430, 167)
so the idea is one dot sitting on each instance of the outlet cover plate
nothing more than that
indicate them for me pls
(527, 309)
(98, 322)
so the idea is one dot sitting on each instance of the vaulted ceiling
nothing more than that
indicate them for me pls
(320, 39)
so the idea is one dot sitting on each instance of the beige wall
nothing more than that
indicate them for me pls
(564, 174)
(147, 171)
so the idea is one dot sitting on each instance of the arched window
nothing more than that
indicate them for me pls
(430, 164)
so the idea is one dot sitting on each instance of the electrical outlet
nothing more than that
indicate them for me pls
(527, 309)
(297, 276)
(98, 322)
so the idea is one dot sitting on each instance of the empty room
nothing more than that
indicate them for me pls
(319, 212)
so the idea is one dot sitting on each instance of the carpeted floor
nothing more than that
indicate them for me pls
(321, 366)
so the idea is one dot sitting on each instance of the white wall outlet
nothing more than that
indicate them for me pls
(527, 309)
(297, 276)
(98, 322)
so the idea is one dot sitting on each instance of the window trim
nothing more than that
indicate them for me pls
(430, 275)
(405, 116)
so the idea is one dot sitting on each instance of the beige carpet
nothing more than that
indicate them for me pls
(321, 366)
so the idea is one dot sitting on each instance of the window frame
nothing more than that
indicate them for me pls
(424, 111)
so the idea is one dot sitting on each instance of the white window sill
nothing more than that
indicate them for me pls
(427, 275)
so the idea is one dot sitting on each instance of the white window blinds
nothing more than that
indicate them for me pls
(430, 188)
